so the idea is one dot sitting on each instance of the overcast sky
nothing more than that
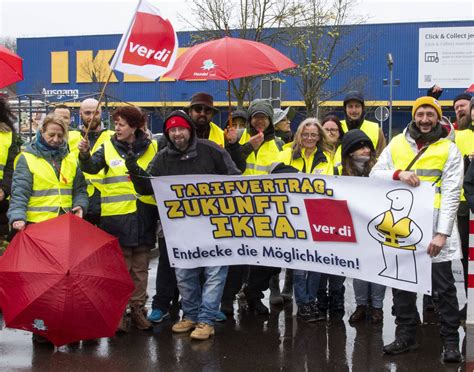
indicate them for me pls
(85, 17)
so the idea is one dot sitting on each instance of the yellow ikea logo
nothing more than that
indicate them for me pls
(90, 69)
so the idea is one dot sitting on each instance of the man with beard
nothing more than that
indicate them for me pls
(187, 154)
(96, 136)
(461, 108)
(423, 153)
(354, 111)
(201, 110)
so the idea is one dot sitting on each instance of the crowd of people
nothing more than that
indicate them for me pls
(104, 176)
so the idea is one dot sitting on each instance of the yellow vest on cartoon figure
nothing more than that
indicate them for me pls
(394, 231)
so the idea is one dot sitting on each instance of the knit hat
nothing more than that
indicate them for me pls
(204, 99)
(430, 101)
(261, 106)
(354, 140)
(279, 115)
(465, 96)
(176, 121)
(354, 96)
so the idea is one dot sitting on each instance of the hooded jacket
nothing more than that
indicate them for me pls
(241, 150)
(22, 185)
(201, 157)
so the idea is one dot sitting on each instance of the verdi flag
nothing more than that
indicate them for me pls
(150, 45)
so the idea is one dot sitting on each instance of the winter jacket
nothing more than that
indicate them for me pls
(444, 220)
(132, 229)
(201, 157)
(22, 185)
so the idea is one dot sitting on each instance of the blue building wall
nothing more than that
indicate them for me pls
(399, 39)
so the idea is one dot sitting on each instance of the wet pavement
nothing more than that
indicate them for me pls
(278, 342)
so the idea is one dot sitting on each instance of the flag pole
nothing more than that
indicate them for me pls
(230, 105)
(118, 53)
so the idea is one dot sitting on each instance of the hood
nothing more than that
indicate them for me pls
(261, 106)
(188, 119)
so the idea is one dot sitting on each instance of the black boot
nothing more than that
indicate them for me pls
(258, 307)
(287, 292)
(275, 295)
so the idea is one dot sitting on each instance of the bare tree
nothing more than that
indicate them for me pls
(319, 46)
(8, 42)
(258, 20)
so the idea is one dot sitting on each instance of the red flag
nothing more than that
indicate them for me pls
(149, 47)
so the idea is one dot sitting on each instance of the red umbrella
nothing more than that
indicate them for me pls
(64, 279)
(471, 88)
(228, 58)
(11, 67)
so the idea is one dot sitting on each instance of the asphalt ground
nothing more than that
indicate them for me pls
(278, 342)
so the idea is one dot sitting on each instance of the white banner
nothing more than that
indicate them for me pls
(446, 57)
(352, 226)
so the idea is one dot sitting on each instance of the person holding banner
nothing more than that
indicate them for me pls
(307, 155)
(187, 154)
(358, 158)
(254, 154)
(423, 153)
(331, 287)
(129, 216)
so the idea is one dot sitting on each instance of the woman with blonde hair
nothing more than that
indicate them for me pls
(308, 154)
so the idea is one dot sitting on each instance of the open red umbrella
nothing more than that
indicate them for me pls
(11, 67)
(470, 89)
(64, 279)
(228, 58)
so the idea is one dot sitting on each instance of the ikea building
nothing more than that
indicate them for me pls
(57, 69)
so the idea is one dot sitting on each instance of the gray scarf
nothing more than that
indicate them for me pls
(431, 137)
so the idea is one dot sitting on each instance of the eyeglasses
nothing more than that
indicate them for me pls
(308, 135)
(201, 108)
(332, 130)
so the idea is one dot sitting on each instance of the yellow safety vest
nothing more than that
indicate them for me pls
(465, 143)
(394, 231)
(51, 196)
(118, 196)
(6, 139)
(259, 163)
(216, 135)
(368, 127)
(428, 167)
(93, 180)
(301, 163)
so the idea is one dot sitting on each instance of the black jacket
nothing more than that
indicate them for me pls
(132, 229)
(201, 157)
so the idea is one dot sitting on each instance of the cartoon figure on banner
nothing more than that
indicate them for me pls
(398, 234)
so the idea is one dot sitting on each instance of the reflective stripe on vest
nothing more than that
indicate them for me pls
(119, 196)
(216, 135)
(465, 142)
(50, 195)
(93, 180)
(368, 127)
(6, 139)
(429, 167)
(260, 163)
(303, 164)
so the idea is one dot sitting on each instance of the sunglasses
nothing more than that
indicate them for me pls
(201, 108)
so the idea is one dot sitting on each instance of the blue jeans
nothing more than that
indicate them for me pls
(363, 290)
(201, 304)
(305, 285)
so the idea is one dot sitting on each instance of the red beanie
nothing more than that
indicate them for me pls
(176, 121)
